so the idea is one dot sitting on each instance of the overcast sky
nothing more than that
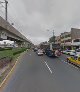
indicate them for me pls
(34, 17)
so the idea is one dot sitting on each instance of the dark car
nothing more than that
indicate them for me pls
(49, 53)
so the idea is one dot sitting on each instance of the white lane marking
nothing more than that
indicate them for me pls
(48, 67)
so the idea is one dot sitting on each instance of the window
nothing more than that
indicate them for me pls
(67, 35)
(77, 40)
(69, 40)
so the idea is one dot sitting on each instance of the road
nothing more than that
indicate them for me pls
(43, 74)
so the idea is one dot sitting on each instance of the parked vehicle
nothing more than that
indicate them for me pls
(64, 52)
(74, 60)
(70, 52)
(77, 52)
(39, 52)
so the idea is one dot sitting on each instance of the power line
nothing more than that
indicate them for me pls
(6, 5)
(2, 13)
(2, 5)
(10, 18)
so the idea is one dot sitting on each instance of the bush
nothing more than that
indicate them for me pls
(9, 48)
(1, 49)
(20, 50)
(6, 55)
(8, 52)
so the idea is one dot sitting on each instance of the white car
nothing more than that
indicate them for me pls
(77, 52)
(40, 52)
(64, 52)
(70, 52)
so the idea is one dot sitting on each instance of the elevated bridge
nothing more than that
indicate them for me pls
(8, 32)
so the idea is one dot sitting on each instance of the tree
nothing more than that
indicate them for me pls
(52, 39)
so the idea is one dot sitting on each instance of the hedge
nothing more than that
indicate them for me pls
(11, 52)
(19, 51)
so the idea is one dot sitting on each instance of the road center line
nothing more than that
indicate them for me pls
(48, 67)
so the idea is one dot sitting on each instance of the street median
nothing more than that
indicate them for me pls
(8, 59)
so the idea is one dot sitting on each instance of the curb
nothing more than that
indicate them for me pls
(9, 73)
(11, 70)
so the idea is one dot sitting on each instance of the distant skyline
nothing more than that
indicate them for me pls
(34, 17)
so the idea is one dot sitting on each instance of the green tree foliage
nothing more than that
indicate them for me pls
(52, 39)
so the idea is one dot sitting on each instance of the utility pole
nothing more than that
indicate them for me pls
(6, 13)
(6, 5)
(53, 37)
(53, 33)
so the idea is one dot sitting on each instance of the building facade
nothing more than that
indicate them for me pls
(57, 40)
(75, 34)
(70, 40)
(66, 40)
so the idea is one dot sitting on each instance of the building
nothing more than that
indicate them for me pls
(66, 40)
(75, 35)
(70, 40)
(57, 40)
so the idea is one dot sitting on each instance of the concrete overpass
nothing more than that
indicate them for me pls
(8, 32)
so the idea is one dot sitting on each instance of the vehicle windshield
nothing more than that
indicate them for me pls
(68, 51)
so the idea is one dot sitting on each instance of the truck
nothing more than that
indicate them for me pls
(51, 49)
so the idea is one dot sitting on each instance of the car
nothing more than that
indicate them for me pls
(64, 51)
(74, 60)
(39, 52)
(77, 52)
(70, 52)
(50, 53)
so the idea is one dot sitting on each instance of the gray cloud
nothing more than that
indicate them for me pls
(34, 17)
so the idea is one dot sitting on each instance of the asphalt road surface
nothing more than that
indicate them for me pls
(35, 73)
